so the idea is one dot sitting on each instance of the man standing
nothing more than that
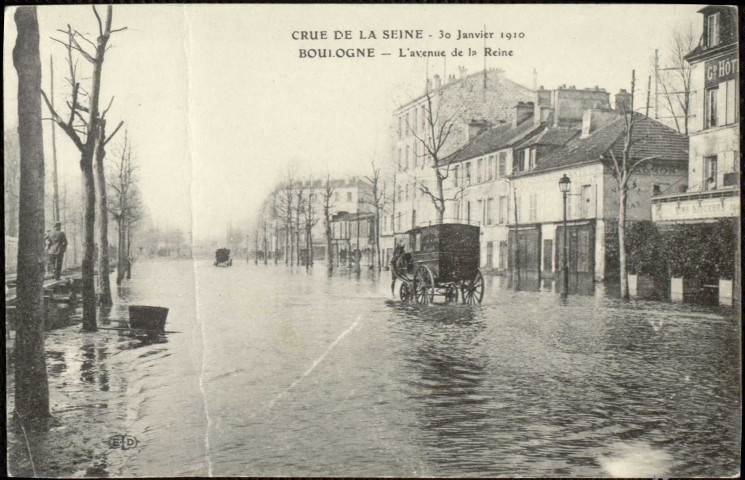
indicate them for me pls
(57, 247)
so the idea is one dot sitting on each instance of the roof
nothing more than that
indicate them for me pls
(556, 136)
(492, 140)
(458, 81)
(652, 139)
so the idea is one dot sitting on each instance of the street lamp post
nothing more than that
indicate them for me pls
(565, 184)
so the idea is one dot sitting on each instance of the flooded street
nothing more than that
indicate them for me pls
(295, 373)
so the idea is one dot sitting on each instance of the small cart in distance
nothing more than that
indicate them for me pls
(442, 260)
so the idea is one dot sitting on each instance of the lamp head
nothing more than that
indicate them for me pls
(565, 184)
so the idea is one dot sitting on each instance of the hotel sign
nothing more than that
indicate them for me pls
(722, 69)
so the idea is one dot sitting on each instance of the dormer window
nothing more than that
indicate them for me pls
(532, 159)
(712, 30)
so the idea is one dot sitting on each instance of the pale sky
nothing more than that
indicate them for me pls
(217, 101)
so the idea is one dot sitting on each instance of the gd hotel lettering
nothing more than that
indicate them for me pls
(722, 69)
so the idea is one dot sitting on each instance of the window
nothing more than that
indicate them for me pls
(415, 119)
(406, 161)
(502, 169)
(710, 172)
(400, 132)
(490, 211)
(712, 30)
(491, 167)
(479, 167)
(730, 103)
(468, 173)
(468, 212)
(413, 218)
(413, 191)
(533, 207)
(408, 126)
(424, 118)
(660, 188)
(392, 226)
(349, 196)
(400, 165)
(711, 107)
(503, 209)
(407, 191)
(336, 196)
(457, 210)
(398, 193)
(456, 174)
(480, 210)
(398, 222)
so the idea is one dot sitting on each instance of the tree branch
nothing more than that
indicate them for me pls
(98, 18)
(114, 132)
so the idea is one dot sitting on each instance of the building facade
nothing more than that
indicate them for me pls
(713, 180)
(711, 193)
(465, 106)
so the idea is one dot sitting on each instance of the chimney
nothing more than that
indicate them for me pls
(623, 98)
(451, 78)
(477, 127)
(523, 111)
(594, 119)
(462, 72)
(438, 83)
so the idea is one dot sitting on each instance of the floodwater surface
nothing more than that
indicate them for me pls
(287, 372)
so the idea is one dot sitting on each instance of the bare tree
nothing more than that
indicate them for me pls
(378, 202)
(123, 204)
(89, 137)
(435, 144)
(328, 205)
(675, 79)
(623, 171)
(298, 212)
(310, 219)
(284, 212)
(31, 385)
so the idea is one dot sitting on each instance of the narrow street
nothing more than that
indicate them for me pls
(286, 372)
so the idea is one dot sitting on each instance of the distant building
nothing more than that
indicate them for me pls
(349, 196)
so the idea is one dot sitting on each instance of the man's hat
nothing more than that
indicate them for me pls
(58, 224)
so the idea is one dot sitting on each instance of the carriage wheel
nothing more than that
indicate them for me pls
(472, 291)
(405, 292)
(424, 285)
(451, 294)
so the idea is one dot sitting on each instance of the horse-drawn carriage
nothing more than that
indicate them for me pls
(222, 257)
(440, 260)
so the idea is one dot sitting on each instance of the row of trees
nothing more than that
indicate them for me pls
(85, 124)
(298, 204)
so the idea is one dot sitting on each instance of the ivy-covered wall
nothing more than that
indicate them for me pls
(703, 251)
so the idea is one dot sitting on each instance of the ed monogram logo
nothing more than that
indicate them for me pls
(125, 442)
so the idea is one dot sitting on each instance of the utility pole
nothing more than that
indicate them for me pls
(55, 185)
(649, 87)
(656, 81)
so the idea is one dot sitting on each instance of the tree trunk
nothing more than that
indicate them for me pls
(89, 227)
(377, 235)
(31, 385)
(440, 200)
(128, 255)
(622, 244)
(121, 251)
(266, 250)
(104, 283)
(276, 242)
